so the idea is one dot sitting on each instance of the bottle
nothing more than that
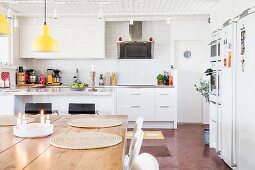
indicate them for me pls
(171, 76)
(76, 76)
(101, 80)
(165, 78)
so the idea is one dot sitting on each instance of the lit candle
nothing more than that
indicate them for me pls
(42, 117)
(92, 68)
(19, 121)
(24, 121)
(48, 120)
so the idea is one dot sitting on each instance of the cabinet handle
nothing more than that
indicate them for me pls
(135, 106)
(135, 94)
(213, 102)
(164, 106)
(163, 94)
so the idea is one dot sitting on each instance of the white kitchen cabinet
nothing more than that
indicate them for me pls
(153, 104)
(65, 36)
(77, 39)
(7, 105)
(166, 105)
(90, 41)
(134, 112)
(213, 125)
(136, 102)
(28, 33)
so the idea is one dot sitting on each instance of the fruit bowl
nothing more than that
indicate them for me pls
(78, 89)
(79, 86)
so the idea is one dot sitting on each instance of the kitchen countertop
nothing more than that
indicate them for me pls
(136, 86)
(66, 90)
(56, 91)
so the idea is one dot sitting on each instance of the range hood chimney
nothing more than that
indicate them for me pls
(135, 31)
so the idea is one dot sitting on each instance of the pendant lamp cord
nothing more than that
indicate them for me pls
(45, 8)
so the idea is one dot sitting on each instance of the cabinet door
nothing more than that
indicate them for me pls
(213, 111)
(134, 112)
(28, 33)
(165, 113)
(166, 104)
(64, 35)
(135, 99)
(89, 41)
(7, 105)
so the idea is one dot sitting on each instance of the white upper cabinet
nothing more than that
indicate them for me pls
(90, 41)
(80, 38)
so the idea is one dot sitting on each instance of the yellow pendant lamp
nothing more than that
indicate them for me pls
(45, 42)
(4, 26)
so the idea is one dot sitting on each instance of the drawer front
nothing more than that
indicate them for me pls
(135, 100)
(166, 113)
(165, 91)
(135, 91)
(166, 100)
(134, 112)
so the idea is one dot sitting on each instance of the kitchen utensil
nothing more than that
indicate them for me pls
(5, 76)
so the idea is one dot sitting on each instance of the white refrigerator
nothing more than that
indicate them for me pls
(245, 91)
(228, 126)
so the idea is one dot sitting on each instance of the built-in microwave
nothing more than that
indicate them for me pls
(135, 50)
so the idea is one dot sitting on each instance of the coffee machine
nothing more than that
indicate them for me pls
(30, 76)
(53, 77)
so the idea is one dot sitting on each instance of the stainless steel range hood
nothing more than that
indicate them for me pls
(135, 48)
(136, 31)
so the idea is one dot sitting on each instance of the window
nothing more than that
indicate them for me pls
(5, 50)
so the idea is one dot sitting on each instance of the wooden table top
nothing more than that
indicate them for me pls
(38, 154)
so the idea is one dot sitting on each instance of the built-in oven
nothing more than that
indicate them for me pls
(215, 86)
(215, 46)
(215, 49)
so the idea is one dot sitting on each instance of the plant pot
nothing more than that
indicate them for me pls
(160, 82)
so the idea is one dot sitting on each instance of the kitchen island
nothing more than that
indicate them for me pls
(156, 104)
(59, 97)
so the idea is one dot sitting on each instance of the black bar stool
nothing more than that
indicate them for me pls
(82, 108)
(35, 108)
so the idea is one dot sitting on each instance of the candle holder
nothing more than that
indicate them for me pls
(33, 130)
(93, 75)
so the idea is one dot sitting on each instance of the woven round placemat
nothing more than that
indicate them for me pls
(12, 120)
(94, 123)
(85, 140)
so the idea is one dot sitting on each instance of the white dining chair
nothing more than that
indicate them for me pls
(145, 161)
(139, 140)
(137, 127)
(134, 149)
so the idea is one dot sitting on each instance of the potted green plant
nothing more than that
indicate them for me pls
(160, 79)
(203, 89)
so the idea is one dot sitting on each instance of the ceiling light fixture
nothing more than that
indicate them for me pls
(168, 20)
(15, 22)
(9, 13)
(45, 43)
(4, 25)
(131, 21)
(55, 13)
(100, 12)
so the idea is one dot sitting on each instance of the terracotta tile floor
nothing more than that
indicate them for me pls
(183, 149)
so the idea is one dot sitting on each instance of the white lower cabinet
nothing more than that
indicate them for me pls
(153, 104)
(165, 113)
(134, 112)
(7, 105)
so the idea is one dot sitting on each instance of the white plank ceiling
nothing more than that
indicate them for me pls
(112, 7)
